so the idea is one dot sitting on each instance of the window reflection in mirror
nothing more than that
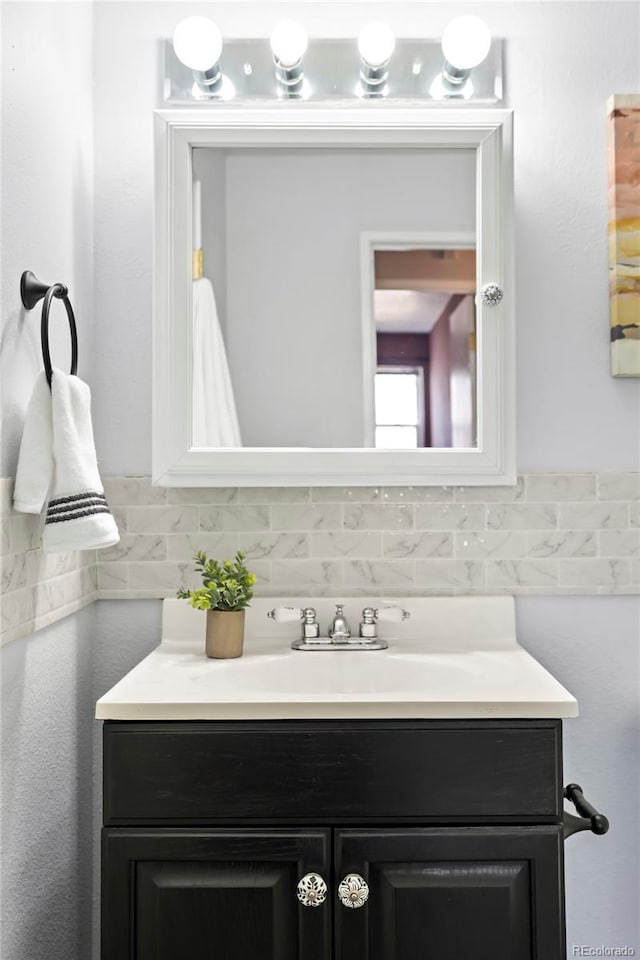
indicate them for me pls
(425, 381)
(400, 420)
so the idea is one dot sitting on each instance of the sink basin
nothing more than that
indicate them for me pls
(362, 675)
(456, 658)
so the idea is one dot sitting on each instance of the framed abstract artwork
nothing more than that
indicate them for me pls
(624, 233)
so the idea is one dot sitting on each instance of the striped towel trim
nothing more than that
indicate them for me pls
(77, 514)
(75, 506)
(89, 502)
(78, 496)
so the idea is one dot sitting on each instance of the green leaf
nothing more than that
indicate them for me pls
(226, 585)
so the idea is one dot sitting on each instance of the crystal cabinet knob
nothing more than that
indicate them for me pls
(491, 294)
(312, 890)
(353, 891)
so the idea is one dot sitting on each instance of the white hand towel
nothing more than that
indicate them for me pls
(58, 460)
(215, 420)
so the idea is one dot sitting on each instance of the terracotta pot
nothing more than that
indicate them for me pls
(225, 634)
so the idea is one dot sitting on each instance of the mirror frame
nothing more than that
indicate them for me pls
(177, 132)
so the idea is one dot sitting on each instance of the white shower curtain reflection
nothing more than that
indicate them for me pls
(215, 420)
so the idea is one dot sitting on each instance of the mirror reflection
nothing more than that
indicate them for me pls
(424, 315)
(334, 298)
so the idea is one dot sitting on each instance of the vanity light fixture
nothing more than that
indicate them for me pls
(466, 42)
(288, 45)
(197, 43)
(293, 67)
(376, 43)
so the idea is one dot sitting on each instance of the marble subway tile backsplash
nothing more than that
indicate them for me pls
(554, 533)
(37, 588)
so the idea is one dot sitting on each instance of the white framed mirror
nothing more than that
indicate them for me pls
(337, 335)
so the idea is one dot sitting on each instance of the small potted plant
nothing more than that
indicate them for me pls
(225, 594)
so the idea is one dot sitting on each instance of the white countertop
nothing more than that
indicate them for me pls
(457, 658)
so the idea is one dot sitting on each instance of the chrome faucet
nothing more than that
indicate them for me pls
(339, 633)
(339, 628)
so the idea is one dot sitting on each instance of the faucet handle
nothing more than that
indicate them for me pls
(391, 613)
(310, 627)
(368, 627)
(286, 614)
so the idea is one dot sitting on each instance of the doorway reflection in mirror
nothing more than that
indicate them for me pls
(425, 380)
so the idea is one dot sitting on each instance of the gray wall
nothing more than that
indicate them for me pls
(46, 178)
(46, 715)
(591, 645)
(46, 697)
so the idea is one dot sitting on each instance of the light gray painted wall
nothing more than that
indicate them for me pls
(46, 694)
(46, 713)
(47, 222)
(294, 313)
(591, 645)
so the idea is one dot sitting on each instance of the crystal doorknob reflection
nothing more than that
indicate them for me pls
(491, 294)
(353, 891)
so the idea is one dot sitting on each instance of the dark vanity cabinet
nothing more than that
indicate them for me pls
(228, 894)
(413, 839)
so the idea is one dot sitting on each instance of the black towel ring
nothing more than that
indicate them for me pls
(32, 291)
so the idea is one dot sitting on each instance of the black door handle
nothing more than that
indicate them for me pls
(589, 818)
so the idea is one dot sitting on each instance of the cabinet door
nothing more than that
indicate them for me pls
(485, 893)
(173, 894)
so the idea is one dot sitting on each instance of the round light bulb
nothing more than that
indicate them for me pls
(375, 43)
(466, 42)
(288, 43)
(197, 43)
